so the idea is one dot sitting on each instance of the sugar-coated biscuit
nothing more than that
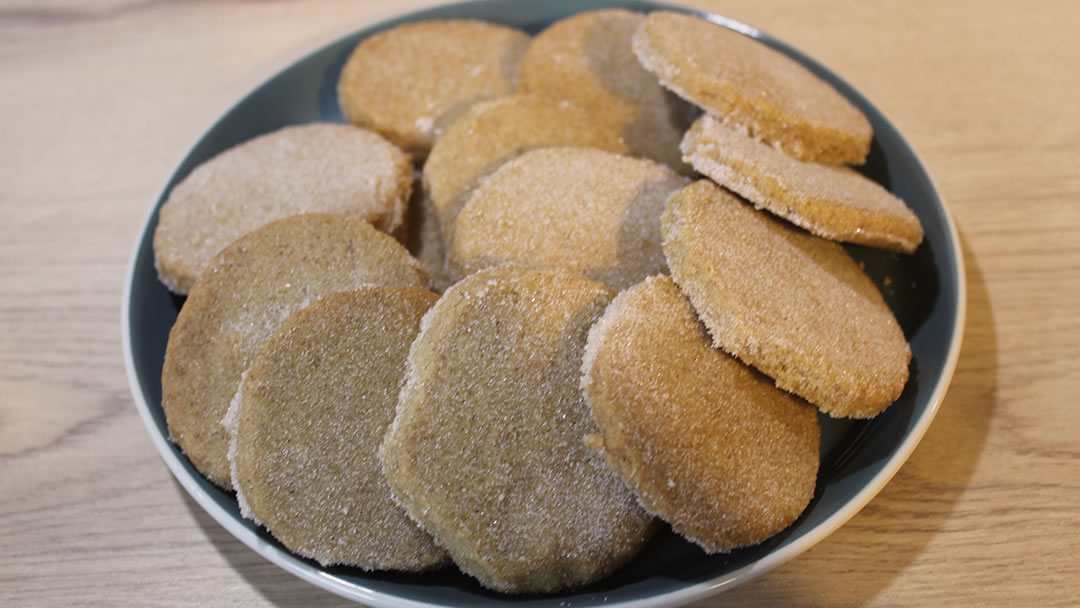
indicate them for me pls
(487, 449)
(833, 202)
(245, 294)
(494, 132)
(316, 168)
(793, 305)
(410, 82)
(307, 422)
(766, 93)
(587, 59)
(708, 444)
(581, 209)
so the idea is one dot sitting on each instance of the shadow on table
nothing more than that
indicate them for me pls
(274, 584)
(919, 500)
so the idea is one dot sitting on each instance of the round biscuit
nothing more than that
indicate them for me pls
(793, 305)
(306, 425)
(708, 444)
(494, 132)
(315, 168)
(245, 294)
(582, 209)
(832, 202)
(587, 60)
(487, 451)
(766, 93)
(412, 81)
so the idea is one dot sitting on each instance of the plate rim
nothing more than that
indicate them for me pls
(690, 592)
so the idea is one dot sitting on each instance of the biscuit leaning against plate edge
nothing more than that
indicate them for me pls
(254, 284)
(310, 413)
(720, 70)
(830, 201)
(698, 435)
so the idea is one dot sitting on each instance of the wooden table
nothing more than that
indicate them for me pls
(99, 100)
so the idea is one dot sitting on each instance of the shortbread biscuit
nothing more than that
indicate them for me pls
(708, 444)
(410, 82)
(833, 202)
(587, 59)
(581, 209)
(245, 294)
(306, 426)
(761, 90)
(494, 132)
(317, 168)
(793, 305)
(487, 447)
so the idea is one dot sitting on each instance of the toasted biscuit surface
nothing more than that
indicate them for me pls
(587, 59)
(581, 209)
(487, 447)
(708, 444)
(307, 424)
(324, 168)
(252, 286)
(494, 132)
(744, 81)
(832, 202)
(793, 305)
(413, 80)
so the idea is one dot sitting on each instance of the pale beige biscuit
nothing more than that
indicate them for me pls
(245, 294)
(587, 59)
(793, 305)
(492, 133)
(487, 450)
(764, 92)
(708, 444)
(316, 168)
(306, 426)
(581, 209)
(833, 202)
(410, 82)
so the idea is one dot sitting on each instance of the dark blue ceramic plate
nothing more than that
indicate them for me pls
(925, 290)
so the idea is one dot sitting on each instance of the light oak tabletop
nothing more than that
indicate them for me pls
(100, 100)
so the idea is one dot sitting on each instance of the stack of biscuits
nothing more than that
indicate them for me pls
(542, 295)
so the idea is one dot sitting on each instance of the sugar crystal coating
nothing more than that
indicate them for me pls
(486, 450)
(763, 91)
(307, 424)
(493, 132)
(793, 305)
(708, 444)
(833, 202)
(581, 209)
(411, 81)
(587, 59)
(316, 168)
(254, 284)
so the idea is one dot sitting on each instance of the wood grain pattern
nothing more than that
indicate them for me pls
(99, 100)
